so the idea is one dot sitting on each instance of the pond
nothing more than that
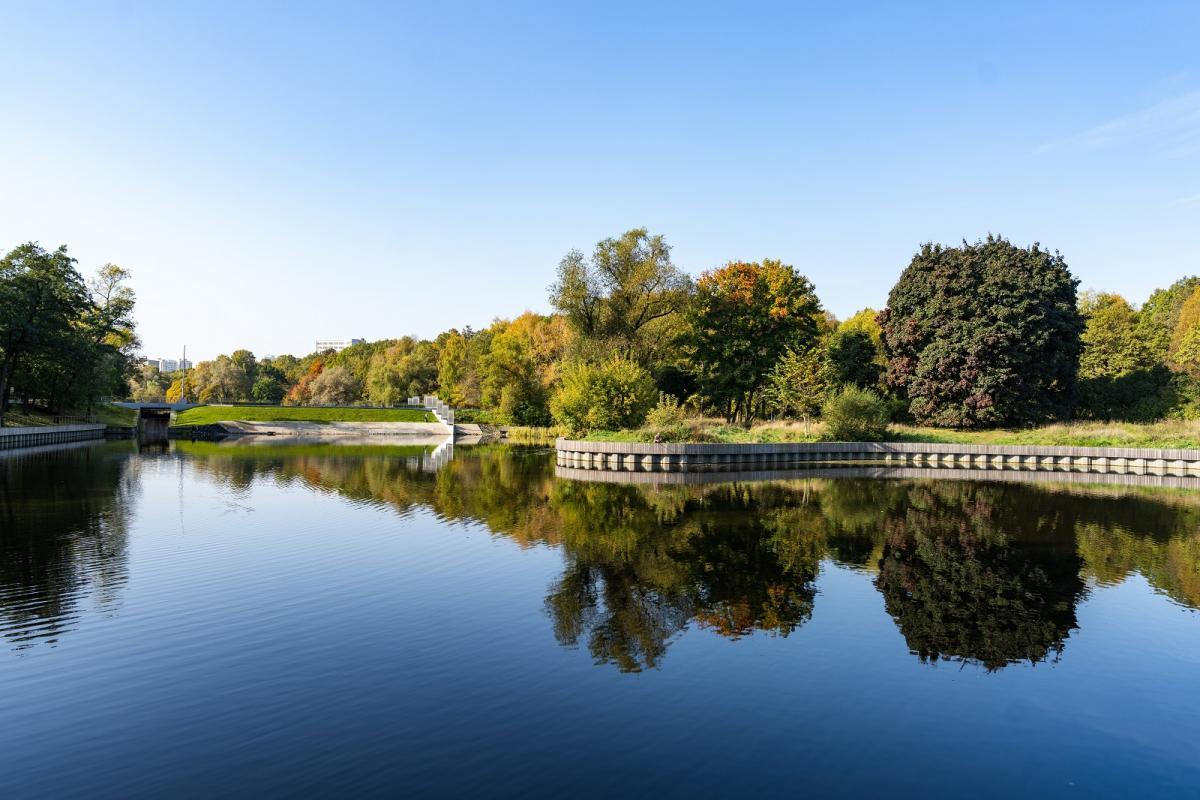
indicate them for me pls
(210, 620)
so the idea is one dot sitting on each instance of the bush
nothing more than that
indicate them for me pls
(667, 414)
(855, 415)
(615, 394)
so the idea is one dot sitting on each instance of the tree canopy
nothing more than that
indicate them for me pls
(64, 341)
(624, 297)
(984, 334)
(745, 316)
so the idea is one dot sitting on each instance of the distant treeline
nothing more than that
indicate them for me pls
(65, 342)
(979, 335)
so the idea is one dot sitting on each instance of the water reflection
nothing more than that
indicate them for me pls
(979, 572)
(63, 538)
(986, 573)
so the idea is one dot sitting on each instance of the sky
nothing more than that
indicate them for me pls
(274, 174)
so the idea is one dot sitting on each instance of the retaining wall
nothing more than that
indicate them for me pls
(13, 438)
(642, 457)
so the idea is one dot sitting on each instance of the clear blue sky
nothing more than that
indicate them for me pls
(274, 174)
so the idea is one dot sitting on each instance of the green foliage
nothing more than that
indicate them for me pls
(853, 358)
(1159, 316)
(986, 334)
(404, 368)
(63, 341)
(615, 394)
(743, 319)
(1118, 378)
(267, 390)
(625, 297)
(668, 413)
(855, 415)
(521, 367)
(336, 386)
(1112, 346)
(1183, 354)
(799, 382)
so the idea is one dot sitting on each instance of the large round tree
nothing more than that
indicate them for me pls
(985, 334)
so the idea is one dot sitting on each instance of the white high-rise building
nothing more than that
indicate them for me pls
(170, 364)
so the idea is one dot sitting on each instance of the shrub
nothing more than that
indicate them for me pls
(615, 394)
(855, 415)
(667, 414)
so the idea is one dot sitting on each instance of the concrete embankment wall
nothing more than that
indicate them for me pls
(337, 429)
(633, 456)
(13, 438)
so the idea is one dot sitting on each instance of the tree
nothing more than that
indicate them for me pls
(853, 359)
(521, 368)
(609, 396)
(407, 368)
(1119, 378)
(625, 296)
(1183, 353)
(42, 296)
(148, 384)
(218, 381)
(1159, 316)
(267, 390)
(744, 317)
(1111, 342)
(984, 334)
(335, 386)
(799, 382)
(246, 364)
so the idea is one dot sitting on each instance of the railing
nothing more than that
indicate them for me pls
(443, 412)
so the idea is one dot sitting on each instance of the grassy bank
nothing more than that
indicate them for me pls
(105, 415)
(208, 415)
(1083, 434)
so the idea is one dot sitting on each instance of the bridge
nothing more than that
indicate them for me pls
(154, 419)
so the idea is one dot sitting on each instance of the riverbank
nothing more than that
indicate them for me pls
(762, 460)
(210, 415)
(1176, 434)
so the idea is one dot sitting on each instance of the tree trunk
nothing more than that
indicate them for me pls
(5, 373)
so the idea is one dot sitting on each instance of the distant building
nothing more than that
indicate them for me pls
(170, 364)
(337, 346)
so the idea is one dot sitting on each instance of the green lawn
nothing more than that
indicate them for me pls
(117, 416)
(1169, 433)
(208, 415)
(106, 415)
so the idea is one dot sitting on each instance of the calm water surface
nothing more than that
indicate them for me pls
(271, 620)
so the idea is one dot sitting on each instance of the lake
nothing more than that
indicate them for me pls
(262, 620)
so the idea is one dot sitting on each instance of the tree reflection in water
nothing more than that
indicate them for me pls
(986, 573)
(63, 538)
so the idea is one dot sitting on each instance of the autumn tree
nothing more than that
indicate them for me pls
(1183, 354)
(1159, 316)
(521, 368)
(626, 298)
(743, 319)
(984, 334)
(335, 386)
